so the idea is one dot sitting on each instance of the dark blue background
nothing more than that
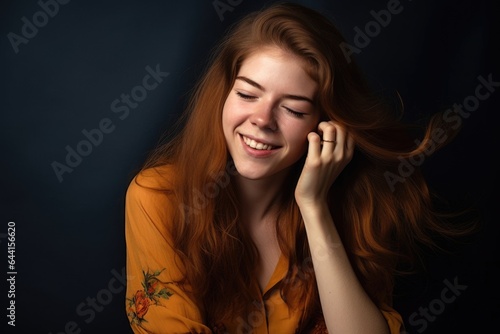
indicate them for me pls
(70, 234)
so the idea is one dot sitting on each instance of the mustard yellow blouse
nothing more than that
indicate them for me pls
(155, 304)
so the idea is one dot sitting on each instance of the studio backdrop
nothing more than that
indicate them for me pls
(88, 88)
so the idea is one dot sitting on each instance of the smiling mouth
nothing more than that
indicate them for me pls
(257, 145)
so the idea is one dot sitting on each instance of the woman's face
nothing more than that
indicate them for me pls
(268, 113)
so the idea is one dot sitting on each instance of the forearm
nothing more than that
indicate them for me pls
(347, 308)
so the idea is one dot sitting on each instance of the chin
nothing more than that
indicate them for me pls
(250, 171)
(251, 174)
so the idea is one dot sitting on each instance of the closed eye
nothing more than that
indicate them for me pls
(294, 113)
(245, 96)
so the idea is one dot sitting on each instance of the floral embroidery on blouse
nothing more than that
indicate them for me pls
(139, 304)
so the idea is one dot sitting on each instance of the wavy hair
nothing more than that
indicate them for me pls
(381, 222)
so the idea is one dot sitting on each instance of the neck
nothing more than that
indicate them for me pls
(259, 198)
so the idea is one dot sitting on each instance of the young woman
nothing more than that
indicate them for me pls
(281, 206)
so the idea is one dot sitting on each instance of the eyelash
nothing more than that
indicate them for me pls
(293, 112)
(244, 96)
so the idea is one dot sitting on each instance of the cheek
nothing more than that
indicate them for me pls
(232, 114)
(297, 131)
(227, 116)
(297, 138)
(298, 142)
(302, 146)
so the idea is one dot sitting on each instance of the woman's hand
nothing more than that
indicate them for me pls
(326, 158)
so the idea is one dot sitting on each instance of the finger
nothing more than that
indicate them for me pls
(328, 133)
(327, 130)
(314, 150)
(341, 138)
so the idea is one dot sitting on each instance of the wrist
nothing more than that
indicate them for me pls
(313, 208)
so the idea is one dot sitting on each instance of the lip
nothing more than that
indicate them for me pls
(258, 153)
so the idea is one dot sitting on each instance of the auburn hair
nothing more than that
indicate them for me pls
(381, 222)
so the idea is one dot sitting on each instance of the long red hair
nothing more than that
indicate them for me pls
(381, 222)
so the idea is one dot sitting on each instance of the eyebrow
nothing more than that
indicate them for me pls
(287, 96)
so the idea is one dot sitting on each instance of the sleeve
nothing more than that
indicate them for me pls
(394, 321)
(154, 302)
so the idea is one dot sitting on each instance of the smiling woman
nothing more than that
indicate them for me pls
(272, 91)
(269, 212)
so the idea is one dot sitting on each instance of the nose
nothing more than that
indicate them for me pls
(264, 118)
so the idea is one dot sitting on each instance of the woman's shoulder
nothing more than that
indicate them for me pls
(148, 198)
(159, 177)
(153, 183)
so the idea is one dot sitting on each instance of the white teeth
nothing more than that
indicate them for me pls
(256, 145)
